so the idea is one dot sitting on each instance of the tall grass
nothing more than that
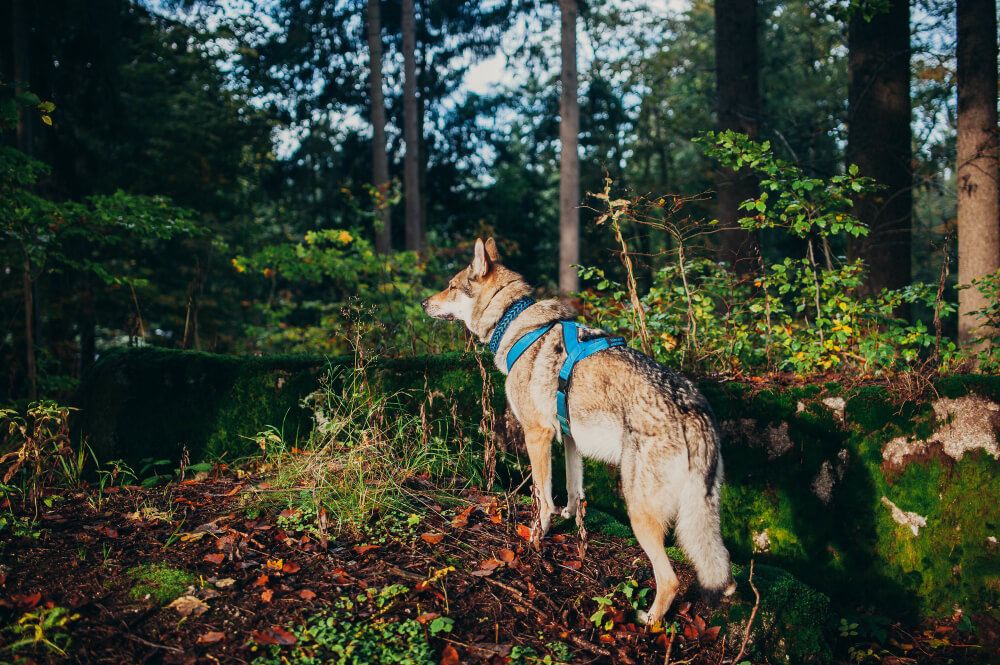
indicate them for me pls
(366, 453)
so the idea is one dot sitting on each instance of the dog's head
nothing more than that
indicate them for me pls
(466, 292)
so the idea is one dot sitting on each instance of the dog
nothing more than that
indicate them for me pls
(621, 407)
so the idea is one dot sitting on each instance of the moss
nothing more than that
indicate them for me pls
(791, 622)
(161, 584)
(607, 524)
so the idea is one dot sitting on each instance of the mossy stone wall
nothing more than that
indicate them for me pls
(151, 403)
(857, 493)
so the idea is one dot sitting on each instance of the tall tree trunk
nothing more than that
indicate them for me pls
(411, 130)
(380, 160)
(978, 192)
(19, 40)
(569, 159)
(738, 109)
(878, 140)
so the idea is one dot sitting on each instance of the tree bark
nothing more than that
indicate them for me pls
(569, 160)
(738, 109)
(380, 160)
(978, 192)
(411, 130)
(878, 141)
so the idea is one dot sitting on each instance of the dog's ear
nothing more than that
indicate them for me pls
(481, 263)
(491, 250)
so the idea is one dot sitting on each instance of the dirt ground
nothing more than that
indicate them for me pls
(248, 585)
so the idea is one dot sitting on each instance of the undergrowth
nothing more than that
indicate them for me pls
(365, 452)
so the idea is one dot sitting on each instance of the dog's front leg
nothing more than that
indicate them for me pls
(575, 504)
(538, 440)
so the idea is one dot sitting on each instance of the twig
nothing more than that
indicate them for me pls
(753, 614)
(670, 644)
(151, 644)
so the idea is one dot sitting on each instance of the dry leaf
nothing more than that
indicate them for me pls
(306, 594)
(274, 635)
(266, 595)
(188, 605)
(427, 616)
(507, 556)
(225, 583)
(364, 549)
(291, 568)
(524, 532)
(433, 538)
(211, 638)
(276, 564)
(215, 558)
(450, 656)
(575, 565)
(261, 581)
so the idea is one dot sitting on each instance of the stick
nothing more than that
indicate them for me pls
(753, 614)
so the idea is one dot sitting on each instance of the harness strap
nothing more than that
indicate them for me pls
(521, 345)
(507, 319)
(575, 352)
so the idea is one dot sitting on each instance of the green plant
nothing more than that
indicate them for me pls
(159, 584)
(45, 629)
(363, 448)
(40, 452)
(339, 636)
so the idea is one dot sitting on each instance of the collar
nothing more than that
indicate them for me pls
(507, 319)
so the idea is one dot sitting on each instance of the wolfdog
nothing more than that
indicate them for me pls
(618, 406)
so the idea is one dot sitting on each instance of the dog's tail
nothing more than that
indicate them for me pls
(699, 535)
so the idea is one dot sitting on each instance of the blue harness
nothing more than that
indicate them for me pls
(575, 350)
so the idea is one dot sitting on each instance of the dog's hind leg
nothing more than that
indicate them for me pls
(699, 535)
(538, 440)
(650, 530)
(575, 506)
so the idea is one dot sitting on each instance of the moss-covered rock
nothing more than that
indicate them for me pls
(159, 584)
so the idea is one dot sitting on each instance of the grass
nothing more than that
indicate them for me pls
(159, 584)
(363, 452)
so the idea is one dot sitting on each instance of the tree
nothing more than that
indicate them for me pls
(878, 139)
(978, 193)
(569, 160)
(411, 131)
(738, 108)
(380, 160)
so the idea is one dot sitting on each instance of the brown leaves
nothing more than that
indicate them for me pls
(274, 635)
(216, 558)
(211, 637)
(290, 568)
(364, 549)
(524, 532)
(450, 656)
(306, 594)
(266, 595)
(188, 605)
(507, 556)
(432, 538)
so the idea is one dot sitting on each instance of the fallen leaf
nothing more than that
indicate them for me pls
(276, 564)
(225, 583)
(690, 632)
(261, 581)
(188, 605)
(607, 639)
(427, 616)
(233, 491)
(558, 538)
(699, 623)
(364, 549)
(575, 565)
(433, 538)
(266, 595)
(495, 518)
(291, 568)
(289, 513)
(524, 532)
(192, 536)
(215, 558)
(684, 608)
(27, 601)
(662, 640)
(490, 564)
(449, 656)
(507, 556)
(306, 594)
(711, 634)
(211, 637)
(274, 635)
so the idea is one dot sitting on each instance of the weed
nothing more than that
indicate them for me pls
(336, 636)
(42, 630)
(159, 584)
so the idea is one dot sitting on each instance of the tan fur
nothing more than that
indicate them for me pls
(624, 408)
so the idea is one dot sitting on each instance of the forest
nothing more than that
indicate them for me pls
(218, 220)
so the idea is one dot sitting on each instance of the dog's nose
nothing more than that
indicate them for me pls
(423, 302)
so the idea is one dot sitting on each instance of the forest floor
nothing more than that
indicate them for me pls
(184, 573)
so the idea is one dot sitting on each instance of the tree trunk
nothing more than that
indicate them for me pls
(19, 40)
(411, 130)
(738, 109)
(878, 141)
(380, 160)
(569, 160)
(978, 193)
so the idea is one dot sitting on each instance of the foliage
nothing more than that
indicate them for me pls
(159, 584)
(364, 447)
(340, 637)
(43, 630)
(38, 451)
(797, 314)
(331, 291)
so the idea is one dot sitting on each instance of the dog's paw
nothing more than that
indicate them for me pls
(566, 513)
